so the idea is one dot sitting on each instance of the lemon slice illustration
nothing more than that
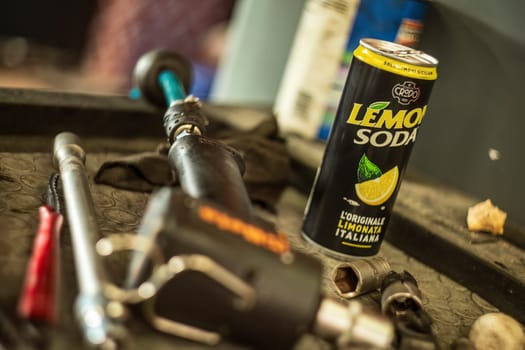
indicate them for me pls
(378, 190)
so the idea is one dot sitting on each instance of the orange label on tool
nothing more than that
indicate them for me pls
(275, 242)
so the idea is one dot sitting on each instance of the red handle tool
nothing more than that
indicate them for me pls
(37, 301)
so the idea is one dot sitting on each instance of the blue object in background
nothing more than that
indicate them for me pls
(134, 93)
(381, 19)
(378, 19)
(203, 77)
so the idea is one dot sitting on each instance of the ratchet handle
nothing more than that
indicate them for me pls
(37, 301)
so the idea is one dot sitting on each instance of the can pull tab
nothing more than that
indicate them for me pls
(164, 271)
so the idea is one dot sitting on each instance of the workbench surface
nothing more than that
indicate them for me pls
(22, 183)
(427, 223)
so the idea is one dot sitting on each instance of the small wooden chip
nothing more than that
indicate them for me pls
(486, 217)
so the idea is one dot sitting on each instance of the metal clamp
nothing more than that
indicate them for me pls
(164, 272)
(125, 242)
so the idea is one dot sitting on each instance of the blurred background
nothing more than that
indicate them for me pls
(240, 49)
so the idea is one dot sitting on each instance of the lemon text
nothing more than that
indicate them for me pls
(384, 127)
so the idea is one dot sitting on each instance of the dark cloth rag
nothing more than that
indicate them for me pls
(267, 165)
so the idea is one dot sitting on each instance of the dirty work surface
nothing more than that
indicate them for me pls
(429, 223)
(22, 181)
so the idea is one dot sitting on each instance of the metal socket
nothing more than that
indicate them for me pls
(351, 279)
(399, 294)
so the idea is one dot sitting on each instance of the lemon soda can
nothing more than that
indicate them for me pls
(383, 104)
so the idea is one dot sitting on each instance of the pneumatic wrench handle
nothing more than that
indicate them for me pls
(206, 168)
(211, 170)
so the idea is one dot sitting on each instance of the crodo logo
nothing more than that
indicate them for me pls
(406, 92)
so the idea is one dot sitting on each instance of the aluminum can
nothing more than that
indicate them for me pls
(383, 104)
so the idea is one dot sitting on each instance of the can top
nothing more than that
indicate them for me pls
(397, 59)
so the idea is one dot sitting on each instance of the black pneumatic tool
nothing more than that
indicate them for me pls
(203, 267)
(216, 275)
(206, 168)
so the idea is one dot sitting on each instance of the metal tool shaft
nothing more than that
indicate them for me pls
(91, 303)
